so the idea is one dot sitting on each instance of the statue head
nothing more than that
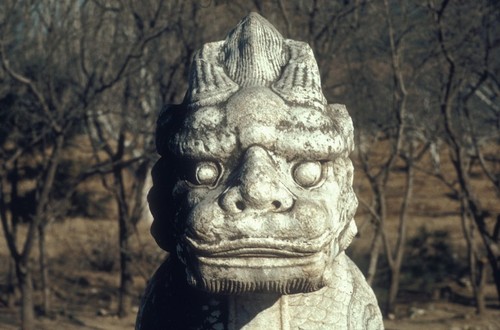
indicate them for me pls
(253, 190)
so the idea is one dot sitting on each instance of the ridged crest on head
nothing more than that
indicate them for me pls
(255, 54)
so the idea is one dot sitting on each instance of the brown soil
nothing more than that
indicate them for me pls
(85, 298)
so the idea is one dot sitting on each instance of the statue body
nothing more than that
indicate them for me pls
(347, 303)
(253, 196)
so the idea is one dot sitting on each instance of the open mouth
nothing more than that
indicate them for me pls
(260, 247)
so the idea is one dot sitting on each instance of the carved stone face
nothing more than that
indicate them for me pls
(260, 194)
(254, 194)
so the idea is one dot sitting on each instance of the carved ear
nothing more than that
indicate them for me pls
(347, 235)
(161, 205)
(168, 122)
(343, 125)
(347, 204)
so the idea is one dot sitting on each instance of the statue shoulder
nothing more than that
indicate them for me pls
(363, 305)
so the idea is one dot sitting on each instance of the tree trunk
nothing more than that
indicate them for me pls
(468, 229)
(493, 256)
(44, 270)
(27, 303)
(481, 280)
(395, 259)
(374, 255)
(380, 212)
(11, 285)
(126, 280)
(393, 291)
(125, 232)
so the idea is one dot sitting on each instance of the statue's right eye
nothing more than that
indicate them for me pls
(206, 173)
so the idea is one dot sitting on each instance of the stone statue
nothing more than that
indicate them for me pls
(253, 196)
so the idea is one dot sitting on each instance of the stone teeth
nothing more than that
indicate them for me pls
(227, 286)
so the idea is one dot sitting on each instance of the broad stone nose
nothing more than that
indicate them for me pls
(258, 186)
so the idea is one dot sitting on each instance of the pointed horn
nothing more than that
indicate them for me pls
(300, 82)
(208, 83)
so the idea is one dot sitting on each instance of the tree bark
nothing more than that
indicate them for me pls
(27, 303)
(125, 232)
(11, 285)
(126, 279)
(378, 188)
(374, 255)
(481, 303)
(396, 258)
(393, 290)
(44, 269)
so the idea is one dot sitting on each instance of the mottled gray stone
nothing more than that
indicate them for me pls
(253, 197)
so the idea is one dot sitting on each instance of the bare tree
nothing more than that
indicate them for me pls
(126, 142)
(46, 106)
(61, 58)
(386, 66)
(120, 123)
(469, 64)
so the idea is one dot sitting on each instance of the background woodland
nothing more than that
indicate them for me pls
(81, 85)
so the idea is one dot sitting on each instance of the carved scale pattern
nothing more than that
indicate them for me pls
(347, 303)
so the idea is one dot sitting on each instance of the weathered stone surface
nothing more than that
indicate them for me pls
(253, 196)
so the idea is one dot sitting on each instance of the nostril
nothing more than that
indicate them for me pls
(240, 205)
(276, 204)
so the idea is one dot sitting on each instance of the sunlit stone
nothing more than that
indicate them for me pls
(257, 237)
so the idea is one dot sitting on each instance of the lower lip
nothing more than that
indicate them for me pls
(260, 260)
(257, 253)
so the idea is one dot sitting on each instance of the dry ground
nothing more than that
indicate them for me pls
(85, 297)
(84, 275)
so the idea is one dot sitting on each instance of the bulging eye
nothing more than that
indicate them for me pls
(206, 174)
(308, 174)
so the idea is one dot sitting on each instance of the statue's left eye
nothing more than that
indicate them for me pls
(308, 174)
(206, 173)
